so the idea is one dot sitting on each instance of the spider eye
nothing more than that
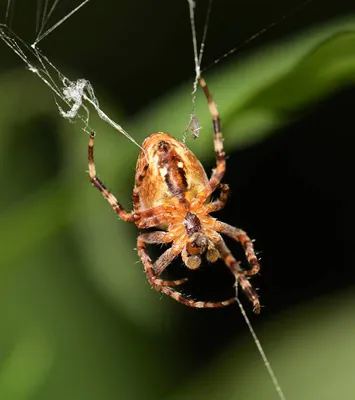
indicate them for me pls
(193, 262)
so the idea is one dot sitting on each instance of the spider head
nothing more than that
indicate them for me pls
(197, 243)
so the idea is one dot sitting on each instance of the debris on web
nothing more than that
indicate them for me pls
(193, 127)
(73, 92)
(73, 97)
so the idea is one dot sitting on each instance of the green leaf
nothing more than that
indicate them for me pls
(31, 221)
(264, 90)
(326, 68)
(311, 349)
(27, 367)
(78, 230)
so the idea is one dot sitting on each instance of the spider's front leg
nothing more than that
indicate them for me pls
(153, 271)
(221, 202)
(234, 266)
(241, 236)
(155, 216)
(117, 207)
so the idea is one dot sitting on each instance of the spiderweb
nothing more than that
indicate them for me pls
(74, 98)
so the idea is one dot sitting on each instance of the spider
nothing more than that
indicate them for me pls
(172, 193)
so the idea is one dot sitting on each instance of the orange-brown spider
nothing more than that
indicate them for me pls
(172, 193)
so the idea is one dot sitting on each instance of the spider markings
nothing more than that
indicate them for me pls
(172, 193)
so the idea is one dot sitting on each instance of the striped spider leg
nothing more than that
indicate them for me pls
(172, 193)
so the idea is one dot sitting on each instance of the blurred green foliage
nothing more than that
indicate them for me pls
(78, 319)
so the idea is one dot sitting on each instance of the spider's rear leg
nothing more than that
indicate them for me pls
(153, 271)
(117, 207)
(234, 266)
(241, 236)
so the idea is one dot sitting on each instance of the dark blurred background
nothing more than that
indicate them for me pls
(79, 320)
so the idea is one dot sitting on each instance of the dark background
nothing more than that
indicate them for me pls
(291, 191)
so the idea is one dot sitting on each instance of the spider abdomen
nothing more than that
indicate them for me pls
(167, 173)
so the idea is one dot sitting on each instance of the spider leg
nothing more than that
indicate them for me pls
(234, 266)
(245, 241)
(220, 169)
(136, 189)
(117, 207)
(154, 216)
(221, 202)
(193, 303)
(153, 271)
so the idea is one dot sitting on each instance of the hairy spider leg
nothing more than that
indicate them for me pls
(241, 237)
(117, 207)
(154, 270)
(143, 219)
(221, 201)
(234, 266)
(220, 169)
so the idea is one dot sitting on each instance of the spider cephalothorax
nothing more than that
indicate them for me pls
(197, 242)
(172, 193)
